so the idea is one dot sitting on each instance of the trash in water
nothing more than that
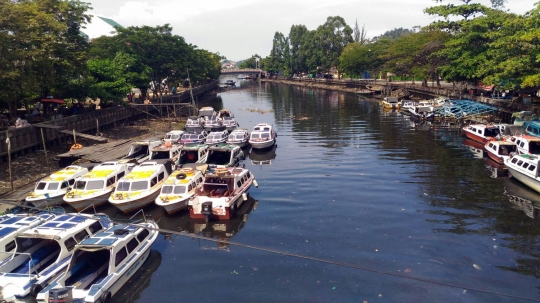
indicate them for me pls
(477, 266)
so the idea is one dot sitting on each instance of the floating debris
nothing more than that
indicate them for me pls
(477, 267)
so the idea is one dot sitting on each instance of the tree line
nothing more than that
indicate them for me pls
(43, 53)
(469, 42)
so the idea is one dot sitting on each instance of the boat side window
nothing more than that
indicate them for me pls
(190, 188)
(153, 182)
(52, 186)
(525, 165)
(10, 246)
(80, 184)
(70, 243)
(248, 174)
(64, 184)
(514, 160)
(110, 181)
(161, 176)
(139, 185)
(239, 183)
(200, 179)
(41, 185)
(143, 235)
(490, 145)
(479, 131)
(535, 131)
(520, 162)
(120, 175)
(132, 245)
(71, 182)
(521, 144)
(95, 227)
(83, 234)
(96, 184)
(532, 167)
(242, 181)
(120, 256)
(122, 186)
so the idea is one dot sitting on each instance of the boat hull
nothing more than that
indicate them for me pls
(174, 206)
(42, 203)
(228, 214)
(262, 145)
(530, 182)
(80, 204)
(241, 144)
(128, 206)
(496, 158)
(476, 137)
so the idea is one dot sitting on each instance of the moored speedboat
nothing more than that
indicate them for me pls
(173, 136)
(481, 133)
(391, 102)
(526, 144)
(12, 225)
(192, 153)
(140, 150)
(224, 155)
(141, 186)
(262, 136)
(193, 137)
(239, 137)
(43, 252)
(229, 123)
(406, 105)
(166, 151)
(525, 169)
(193, 122)
(532, 128)
(221, 194)
(206, 111)
(422, 111)
(364, 92)
(217, 137)
(179, 188)
(95, 187)
(498, 151)
(103, 263)
(50, 191)
(212, 122)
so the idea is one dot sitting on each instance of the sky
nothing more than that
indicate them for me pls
(238, 29)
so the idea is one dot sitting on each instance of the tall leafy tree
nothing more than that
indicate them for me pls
(298, 58)
(359, 35)
(332, 38)
(279, 55)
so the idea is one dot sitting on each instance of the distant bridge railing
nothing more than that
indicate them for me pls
(241, 71)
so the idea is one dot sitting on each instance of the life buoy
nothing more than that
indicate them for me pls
(187, 170)
(35, 289)
(105, 297)
(221, 170)
(76, 146)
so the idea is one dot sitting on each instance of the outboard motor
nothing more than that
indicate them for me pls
(206, 210)
(61, 295)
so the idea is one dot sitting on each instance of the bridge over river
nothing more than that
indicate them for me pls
(228, 71)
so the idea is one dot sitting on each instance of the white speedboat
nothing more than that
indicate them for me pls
(224, 155)
(140, 150)
(422, 111)
(525, 168)
(141, 186)
(212, 122)
(239, 136)
(179, 188)
(406, 105)
(103, 263)
(95, 187)
(194, 122)
(193, 137)
(391, 102)
(166, 151)
(217, 137)
(222, 193)
(50, 191)
(498, 151)
(481, 133)
(262, 136)
(192, 153)
(43, 252)
(173, 136)
(229, 123)
(12, 225)
(526, 144)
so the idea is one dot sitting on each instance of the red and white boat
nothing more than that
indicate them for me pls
(222, 193)
(482, 133)
(498, 151)
(526, 144)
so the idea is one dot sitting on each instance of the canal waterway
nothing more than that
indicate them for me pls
(350, 183)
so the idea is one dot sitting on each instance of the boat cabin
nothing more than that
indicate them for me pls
(212, 121)
(193, 122)
(140, 150)
(193, 153)
(165, 151)
(194, 137)
(238, 136)
(143, 177)
(224, 155)
(217, 137)
(532, 128)
(206, 111)
(12, 225)
(527, 144)
(526, 164)
(482, 133)
(101, 177)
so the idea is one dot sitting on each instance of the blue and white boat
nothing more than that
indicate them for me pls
(43, 252)
(103, 263)
(532, 128)
(12, 225)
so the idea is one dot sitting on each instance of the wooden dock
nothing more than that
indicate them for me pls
(86, 136)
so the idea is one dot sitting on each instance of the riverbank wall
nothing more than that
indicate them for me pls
(27, 139)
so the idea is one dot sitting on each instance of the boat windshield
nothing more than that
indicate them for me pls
(534, 147)
(95, 184)
(227, 118)
(215, 137)
(41, 185)
(179, 189)
(160, 155)
(190, 137)
(53, 186)
(265, 135)
(188, 157)
(122, 186)
(139, 185)
(167, 189)
(218, 157)
(255, 136)
(238, 137)
(491, 132)
(79, 185)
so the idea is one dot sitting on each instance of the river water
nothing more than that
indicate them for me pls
(352, 184)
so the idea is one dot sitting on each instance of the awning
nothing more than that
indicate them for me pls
(52, 100)
(486, 87)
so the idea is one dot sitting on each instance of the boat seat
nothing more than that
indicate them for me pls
(41, 255)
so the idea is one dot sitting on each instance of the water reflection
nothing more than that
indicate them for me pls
(497, 170)
(476, 148)
(263, 157)
(522, 197)
(132, 290)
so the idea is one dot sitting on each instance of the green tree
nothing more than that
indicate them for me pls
(278, 55)
(332, 38)
(251, 62)
(298, 58)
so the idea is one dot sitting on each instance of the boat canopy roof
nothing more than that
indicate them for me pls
(61, 226)
(108, 237)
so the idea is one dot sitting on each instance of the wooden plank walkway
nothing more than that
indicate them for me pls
(86, 136)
